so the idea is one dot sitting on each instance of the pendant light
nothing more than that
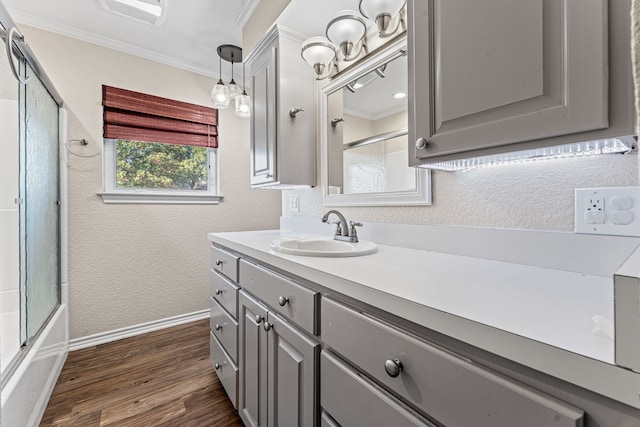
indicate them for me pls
(220, 93)
(243, 101)
(234, 89)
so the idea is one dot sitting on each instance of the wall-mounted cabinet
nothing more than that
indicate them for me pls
(492, 77)
(283, 136)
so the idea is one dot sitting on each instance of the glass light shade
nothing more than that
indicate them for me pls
(234, 89)
(320, 54)
(243, 105)
(220, 95)
(371, 9)
(382, 12)
(347, 30)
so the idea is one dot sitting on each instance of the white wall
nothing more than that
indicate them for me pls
(536, 195)
(131, 264)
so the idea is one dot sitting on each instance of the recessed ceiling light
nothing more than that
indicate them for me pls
(149, 11)
(399, 95)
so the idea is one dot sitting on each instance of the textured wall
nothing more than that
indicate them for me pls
(535, 195)
(131, 264)
(262, 18)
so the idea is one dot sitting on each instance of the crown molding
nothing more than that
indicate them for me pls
(247, 10)
(86, 36)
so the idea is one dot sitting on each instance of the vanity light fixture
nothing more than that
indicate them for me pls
(347, 31)
(320, 54)
(387, 14)
(221, 94)
(243, 101)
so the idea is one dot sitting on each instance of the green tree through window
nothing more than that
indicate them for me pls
(160, 166)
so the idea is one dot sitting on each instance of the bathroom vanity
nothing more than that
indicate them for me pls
(429, 333)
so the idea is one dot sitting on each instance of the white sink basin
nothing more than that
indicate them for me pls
(322, 247)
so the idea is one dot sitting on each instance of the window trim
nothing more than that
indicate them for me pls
(112, 194)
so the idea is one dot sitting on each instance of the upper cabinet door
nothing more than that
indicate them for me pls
(263, 126)
(489, 73)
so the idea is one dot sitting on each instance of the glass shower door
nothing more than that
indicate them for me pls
(40, 206)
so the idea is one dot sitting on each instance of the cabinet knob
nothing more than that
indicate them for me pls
(393, 367)
(218, 262)
(217, 366)
(218, 327)
(267, 326)
(294, 111)
(283, 301)
(259, 319)
(421, 143)
(218, 291)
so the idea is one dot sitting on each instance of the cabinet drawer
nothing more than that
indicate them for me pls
(353, 401)
(225, 263)
(293, 301)
(225, 292)
(451, 389)
(225, 328)
(225, 369)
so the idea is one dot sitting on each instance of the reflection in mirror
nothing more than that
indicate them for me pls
(365, 145)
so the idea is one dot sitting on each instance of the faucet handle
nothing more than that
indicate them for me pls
(338, 227)
(352, 233)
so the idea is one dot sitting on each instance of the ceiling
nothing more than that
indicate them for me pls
(187, 39)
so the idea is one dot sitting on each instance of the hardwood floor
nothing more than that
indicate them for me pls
(159, 379)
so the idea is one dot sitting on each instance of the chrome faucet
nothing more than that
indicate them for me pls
(343, 231)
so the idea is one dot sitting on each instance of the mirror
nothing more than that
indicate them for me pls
(364, 135)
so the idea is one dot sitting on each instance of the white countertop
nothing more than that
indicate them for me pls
(547, 305)
(539, 317)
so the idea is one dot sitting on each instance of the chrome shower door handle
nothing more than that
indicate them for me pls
(10, 35)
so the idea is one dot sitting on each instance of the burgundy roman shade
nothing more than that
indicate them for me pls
(141, 117)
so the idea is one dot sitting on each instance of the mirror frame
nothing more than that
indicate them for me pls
(421, 195)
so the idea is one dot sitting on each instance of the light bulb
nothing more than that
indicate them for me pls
(243, 108)
(220, 95)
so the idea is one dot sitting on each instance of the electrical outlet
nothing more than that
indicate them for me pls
(609, 210)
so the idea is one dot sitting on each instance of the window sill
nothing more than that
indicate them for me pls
(163, 198)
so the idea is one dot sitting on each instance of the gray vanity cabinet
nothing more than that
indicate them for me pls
(278, 366)
(223, 301)
(283, 138)
(496, 76)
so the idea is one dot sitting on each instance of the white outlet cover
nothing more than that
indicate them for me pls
(621, 216)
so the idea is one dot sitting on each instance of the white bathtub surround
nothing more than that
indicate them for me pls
(527, 296)
(26, 393)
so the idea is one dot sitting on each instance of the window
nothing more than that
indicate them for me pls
(158, 150)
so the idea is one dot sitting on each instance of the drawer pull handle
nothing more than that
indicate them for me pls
(217, 366)
(218, 262)
(259, 319)
(218, 291)
(393, 367)
(218, 327)
(267, 326)
(283, 301)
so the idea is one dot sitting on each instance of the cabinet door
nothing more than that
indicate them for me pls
(293, 361)
(252, 404)
(263, 117)
(487, 74)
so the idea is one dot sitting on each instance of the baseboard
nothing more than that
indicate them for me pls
(130, 331)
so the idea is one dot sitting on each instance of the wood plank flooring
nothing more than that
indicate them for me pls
(159, 379)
